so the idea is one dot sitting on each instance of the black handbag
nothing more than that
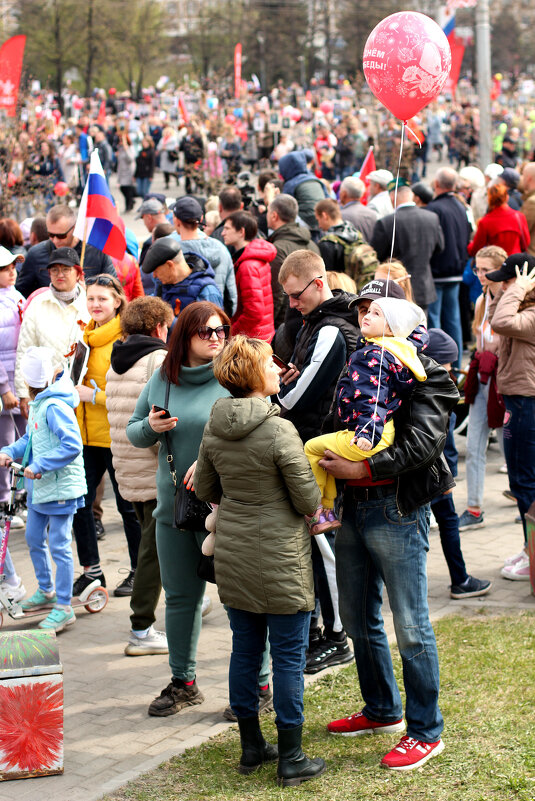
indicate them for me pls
(189, 512)
(205, 569)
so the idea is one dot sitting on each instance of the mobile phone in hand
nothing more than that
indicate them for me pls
(165, 416)
(280, 363)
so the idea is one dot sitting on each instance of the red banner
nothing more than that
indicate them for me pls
(457, 54)
(11, 55)
(237, 70)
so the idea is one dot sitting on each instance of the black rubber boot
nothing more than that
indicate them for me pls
(294, 766)
(255, 750)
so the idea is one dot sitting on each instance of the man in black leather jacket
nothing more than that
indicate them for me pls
(384, 540)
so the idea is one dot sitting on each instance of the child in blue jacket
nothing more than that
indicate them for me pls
(51, 453)
(379, 375)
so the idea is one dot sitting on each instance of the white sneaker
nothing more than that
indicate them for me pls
(154, 643)
(519, 571)
(206, 605)
(433, 522)
(13, 593)
(518, 557)
(17, 522)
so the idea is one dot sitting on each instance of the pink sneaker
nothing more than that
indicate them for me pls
(518, 557)
(410, 753)
(358, 724)
(517, 571)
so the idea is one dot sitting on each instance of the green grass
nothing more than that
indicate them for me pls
(488, 702)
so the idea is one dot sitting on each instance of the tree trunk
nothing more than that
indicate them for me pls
(91, 48)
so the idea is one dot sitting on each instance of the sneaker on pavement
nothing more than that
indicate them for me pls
(155, 642)
(470, 520)
(518, 557)
(518, 571)
(503, 469)
(509, 495)
(265, 698)
(206, 606)
(17, 522)
(39, 600)
(58, 619)
(410, 753)
(13, 593)
(83, 581)
(175, 697)
(328, 653)
(471, 588)
(358, 724)
(126, 586)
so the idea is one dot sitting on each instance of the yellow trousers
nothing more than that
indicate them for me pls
(339, 443)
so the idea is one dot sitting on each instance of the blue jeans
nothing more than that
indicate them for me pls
(448, 526)
(445, 313)
(377, 546)
(477, 440)
(288, 640)
(59, 546)
(143, 186)
(519, 447)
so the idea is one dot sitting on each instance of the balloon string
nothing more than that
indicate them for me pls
(403, 125)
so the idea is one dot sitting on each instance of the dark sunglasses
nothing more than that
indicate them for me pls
(297, 295)
(60, 236)
(102, 280)
(222, 332)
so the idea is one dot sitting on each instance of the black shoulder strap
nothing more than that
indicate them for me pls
(170, 460)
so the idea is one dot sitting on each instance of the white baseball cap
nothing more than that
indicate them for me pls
(37, 366)
(7, 257)
(381, 177)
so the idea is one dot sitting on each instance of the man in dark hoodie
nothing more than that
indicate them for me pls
(327, 337)
(287, 236)
(303, 186)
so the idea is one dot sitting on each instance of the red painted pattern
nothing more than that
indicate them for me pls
(31, 726)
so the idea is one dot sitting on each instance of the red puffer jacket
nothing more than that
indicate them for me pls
(254, 315)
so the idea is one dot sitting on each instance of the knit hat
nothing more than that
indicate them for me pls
(37, 366)
(442, 348)
(402, 316)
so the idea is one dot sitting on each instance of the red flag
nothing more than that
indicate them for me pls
(237, 70)
(101, 119)
(11, 55)
(368, 166)
(183, 110)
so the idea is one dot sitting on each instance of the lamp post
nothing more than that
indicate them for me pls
(262, 41)
(483, 82)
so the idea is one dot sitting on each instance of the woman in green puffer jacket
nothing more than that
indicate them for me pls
(251, 462)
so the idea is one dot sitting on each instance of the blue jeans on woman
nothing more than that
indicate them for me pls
(288, 640)
(445, 313)
(376, 546)
(519, 448)
(477, 440)
(143, 186)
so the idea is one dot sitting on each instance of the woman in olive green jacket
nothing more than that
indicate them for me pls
(251, 462)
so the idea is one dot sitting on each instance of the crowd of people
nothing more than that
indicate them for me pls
(285, 345)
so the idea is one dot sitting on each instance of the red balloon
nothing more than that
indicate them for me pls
(61, 189)
(326, 106)
(407, 60)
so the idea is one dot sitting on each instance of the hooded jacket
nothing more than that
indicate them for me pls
(286, 238)
(219, 258)
(252, 463)
(133, 362)
(198, 285)
(92, 418)
(516, 349)
(302, 185)
(327, 338)
(11, 303)
(52, 445)
(254, 315)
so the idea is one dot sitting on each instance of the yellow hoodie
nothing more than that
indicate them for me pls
(403, 350)
(93, 418)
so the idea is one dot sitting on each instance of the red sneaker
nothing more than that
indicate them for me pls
(409, 754)
(360, 724)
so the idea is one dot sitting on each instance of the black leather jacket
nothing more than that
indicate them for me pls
(415, 459)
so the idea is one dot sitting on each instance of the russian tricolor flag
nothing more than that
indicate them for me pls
(98, 220)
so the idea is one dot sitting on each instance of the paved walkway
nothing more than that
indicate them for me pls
(110, 739)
